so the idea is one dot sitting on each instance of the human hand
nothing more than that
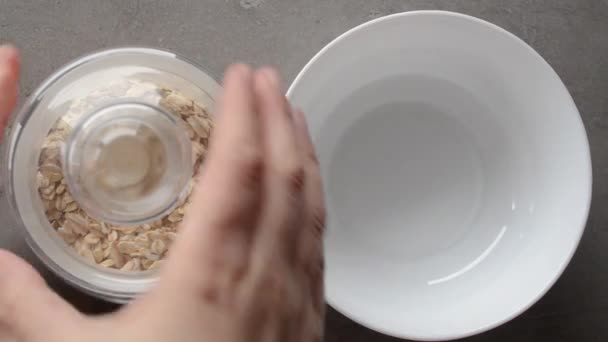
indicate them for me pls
(247, 263)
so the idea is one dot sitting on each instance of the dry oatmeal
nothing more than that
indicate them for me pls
(127, 248)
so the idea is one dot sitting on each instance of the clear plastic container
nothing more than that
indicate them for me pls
(111, 111)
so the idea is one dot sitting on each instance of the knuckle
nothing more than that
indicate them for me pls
(216, 292)
(319, 220)
(250, 163)
(239, 68)
(317, 287)
(210, 294)
(315, 268)
(228, 263)
(250, 157)
(320, 265)
(232, 270)
(294, 176)
(274, 283)
(313, 158)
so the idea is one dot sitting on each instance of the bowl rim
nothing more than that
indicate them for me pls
(584, 145)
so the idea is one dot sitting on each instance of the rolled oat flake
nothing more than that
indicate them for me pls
(115, 177)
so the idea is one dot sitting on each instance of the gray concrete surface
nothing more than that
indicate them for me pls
(571, 35)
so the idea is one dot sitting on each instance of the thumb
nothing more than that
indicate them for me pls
(9, 77)
(29, 310)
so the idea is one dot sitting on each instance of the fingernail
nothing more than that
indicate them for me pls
(239, 71)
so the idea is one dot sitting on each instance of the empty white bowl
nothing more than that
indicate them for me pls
(457, 170)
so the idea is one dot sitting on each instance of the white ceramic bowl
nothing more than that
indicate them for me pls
(457, 170)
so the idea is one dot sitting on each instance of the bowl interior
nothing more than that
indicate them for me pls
(457, 173)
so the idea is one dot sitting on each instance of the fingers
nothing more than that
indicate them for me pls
(230, 184)
(29, 310)
(250, 204)
(9, 76)
(314, 184)
(310, 247)
(284, 177)
(219, 224)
